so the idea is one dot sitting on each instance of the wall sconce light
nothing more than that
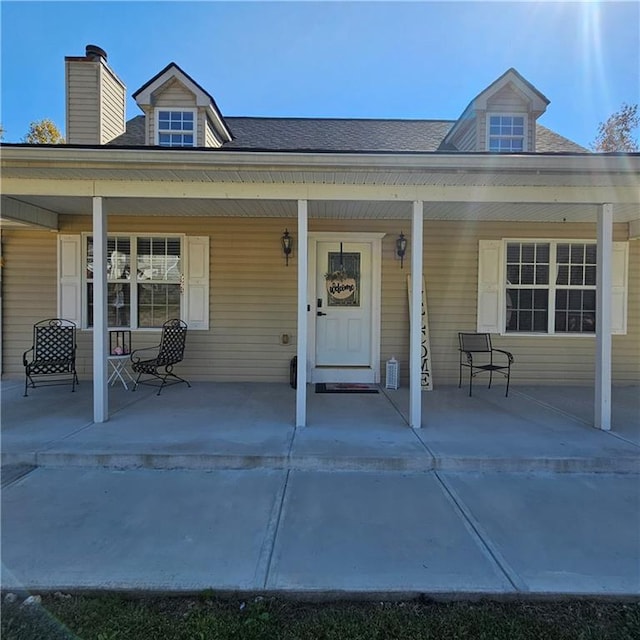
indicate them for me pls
(287, 245)
(401, 248)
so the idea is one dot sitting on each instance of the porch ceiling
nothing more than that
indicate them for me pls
(337, 209)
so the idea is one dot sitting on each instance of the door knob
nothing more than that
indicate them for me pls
(320, 313)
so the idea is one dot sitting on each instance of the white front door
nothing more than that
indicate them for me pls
(342, 313)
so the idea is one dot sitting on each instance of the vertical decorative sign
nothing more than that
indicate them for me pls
(426, 381)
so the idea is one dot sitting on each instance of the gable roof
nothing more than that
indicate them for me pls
(510, 76)
(343, 135)
(203, 98)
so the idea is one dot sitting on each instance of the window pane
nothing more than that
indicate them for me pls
(562, 254)
(118, 258)
(528, 252)
(577, 275)
(527, 310)
(542, 274)
(539, 320)
(591, 254)
(575, 299)
(527, 274)
(542, 252)
(89, 265)
(119, 305)
(561, 321)
(513, 252)
(577, 253)
(563, 275)
(540, 299)
(159, 259)
(575, 311)
(513, 274)
(525, 321)
(157, 303)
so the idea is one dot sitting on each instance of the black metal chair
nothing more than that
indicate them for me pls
(477, 354)
(169, 352)
(51, 360)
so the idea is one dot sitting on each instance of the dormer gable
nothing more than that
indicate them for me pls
(501, 118)
(179, 112)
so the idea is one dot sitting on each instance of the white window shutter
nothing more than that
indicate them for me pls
(196, 280)
(619, 276)
(490, 287)
(70, 278)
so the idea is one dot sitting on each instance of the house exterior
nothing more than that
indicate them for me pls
(511, 229)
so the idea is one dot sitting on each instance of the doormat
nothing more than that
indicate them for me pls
(345, 387)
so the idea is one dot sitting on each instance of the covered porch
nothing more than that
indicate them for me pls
(111, 187)
(250, 425)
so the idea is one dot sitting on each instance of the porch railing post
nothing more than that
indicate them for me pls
(303, 260)
(415, 321)
(100, 333)
(602, 417)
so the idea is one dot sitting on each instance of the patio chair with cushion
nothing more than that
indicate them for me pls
(51, 360)
(477, 354)
(159, 367)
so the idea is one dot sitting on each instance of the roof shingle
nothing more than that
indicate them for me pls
(343, 135)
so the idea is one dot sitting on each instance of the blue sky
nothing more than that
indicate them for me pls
(332, 59)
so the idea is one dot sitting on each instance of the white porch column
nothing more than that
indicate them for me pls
(602, 416)
(303, 268)
(415, 321)
(100, 329)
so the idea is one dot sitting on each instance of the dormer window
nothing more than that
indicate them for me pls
(506, 133)
(176, 128)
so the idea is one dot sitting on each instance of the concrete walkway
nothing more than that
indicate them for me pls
(212, 488)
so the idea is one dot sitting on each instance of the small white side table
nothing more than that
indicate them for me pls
(119, 370)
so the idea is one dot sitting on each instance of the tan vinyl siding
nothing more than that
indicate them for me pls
(112, 101)
(210, 138)
(253, 298)
(82, 95)
(465, 138)
(481, 130)
(507, 101)
(174, 95)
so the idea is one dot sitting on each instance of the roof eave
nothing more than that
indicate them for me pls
(68, 155)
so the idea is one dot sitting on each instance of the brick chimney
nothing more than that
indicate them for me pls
(95, 99)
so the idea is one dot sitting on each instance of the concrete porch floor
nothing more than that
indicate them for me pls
(213, 488)
(251, 425)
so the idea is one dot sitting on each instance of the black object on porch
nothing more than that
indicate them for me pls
(51, 360)
(170, 351)
(476, 354)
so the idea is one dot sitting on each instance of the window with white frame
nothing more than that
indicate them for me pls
(547, 287)
(143, 280)
(150, 279)
(176, 128)
(506, 133)
(551, 287)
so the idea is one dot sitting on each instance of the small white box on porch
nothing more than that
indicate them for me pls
(392, 378)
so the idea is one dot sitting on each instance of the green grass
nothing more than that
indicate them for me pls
(208, 618)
